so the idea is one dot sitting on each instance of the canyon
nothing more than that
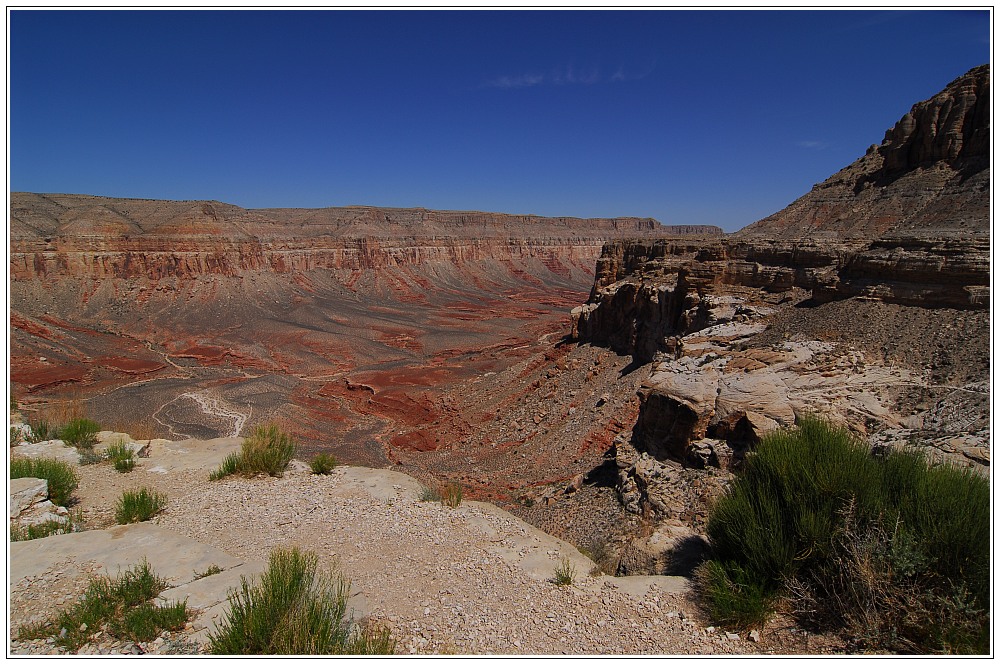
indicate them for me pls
(366, 332)
(599, 378)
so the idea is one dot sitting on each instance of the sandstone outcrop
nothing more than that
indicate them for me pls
(30, 505)
(851, 303)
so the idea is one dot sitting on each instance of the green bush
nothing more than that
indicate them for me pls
(292, 610)
(230, 465)
(267, 450)
(46, 529)
(323, 464)
(121, 456)
(61, 477)
(869, 544)
(565, 573)
(121, 608)
(80, 433)
(139, 506)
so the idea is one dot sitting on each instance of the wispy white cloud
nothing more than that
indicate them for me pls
(522, 81)
(564, 76)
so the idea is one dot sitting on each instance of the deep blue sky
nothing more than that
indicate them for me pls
(716, 117)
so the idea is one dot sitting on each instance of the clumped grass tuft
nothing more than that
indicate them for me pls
(230, 466)
(61, 477)
(451, 495)
(323, 464)
(565, 573)
(893, 552)
(139, 506)
(121, 456)
(267, 450)
(120, 607)
(40, 431)
(208, 572)
(429, 494)
(292, 610)
(80, 433)
(46, 529)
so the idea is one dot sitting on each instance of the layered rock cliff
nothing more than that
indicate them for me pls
(102, 238)
(929, 176)
(866, 301)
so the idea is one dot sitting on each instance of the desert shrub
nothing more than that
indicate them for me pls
(40, 431)
(604, 556)
(46, 529)
(323, 463)
(451, 495)
(80, 433)
(565, 573)
(429, 494)
(121, 607)
(267, 450)
(734, 596)
(61, 477)
(856, 540)
(139, 506)
(230, 465)
(292, 610)
(121, 456)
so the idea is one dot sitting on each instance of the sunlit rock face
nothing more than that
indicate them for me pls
(865, 301)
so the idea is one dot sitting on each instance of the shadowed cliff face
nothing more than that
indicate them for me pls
(352, 326)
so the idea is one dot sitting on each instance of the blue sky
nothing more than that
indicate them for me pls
(700, 117)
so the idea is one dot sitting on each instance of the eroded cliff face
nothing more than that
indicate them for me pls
(930, 175)
(88, 237)
(865, 301)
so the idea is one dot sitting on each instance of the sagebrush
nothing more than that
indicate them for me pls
(122, 608)
(139, 505)
(61, 477)
(267, 450)
(293, 610)
(874, 545)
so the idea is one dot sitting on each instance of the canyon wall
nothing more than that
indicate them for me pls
(865, 301)
(929, 176)
(101, 238)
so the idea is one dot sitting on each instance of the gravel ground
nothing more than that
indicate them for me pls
(446, 581)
